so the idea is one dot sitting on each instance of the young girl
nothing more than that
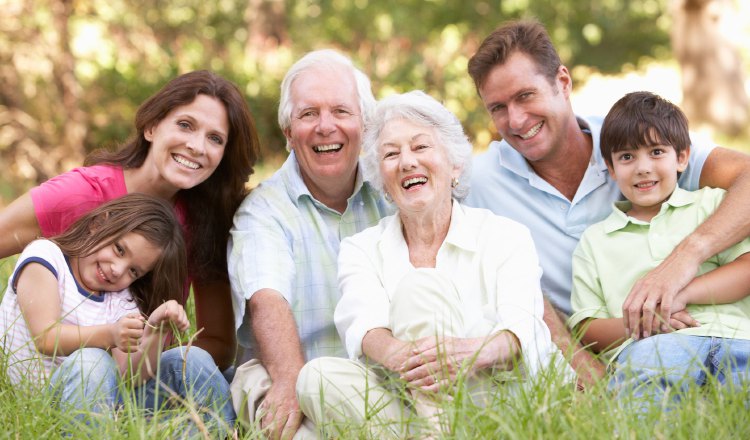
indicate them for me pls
(68, 306)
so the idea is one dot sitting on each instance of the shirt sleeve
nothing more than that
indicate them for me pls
(61, 200)
(587, 298)
(260, 254)
(701, 147)
(40, 252)
(710, 200)
(520, 306)
(364, 303)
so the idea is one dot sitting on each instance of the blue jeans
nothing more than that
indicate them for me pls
(651, 367)
(87, 381)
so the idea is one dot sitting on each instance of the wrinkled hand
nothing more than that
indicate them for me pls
(169, 312)
(434, 364)
(279, 413)
(127, 332)
(650, 302)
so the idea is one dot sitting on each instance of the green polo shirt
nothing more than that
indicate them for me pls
(613, 254)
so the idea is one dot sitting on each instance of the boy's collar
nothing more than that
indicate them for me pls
(619, 219)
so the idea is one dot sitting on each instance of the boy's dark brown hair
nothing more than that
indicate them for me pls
(525, 36)
(154, 220)
(643, 119)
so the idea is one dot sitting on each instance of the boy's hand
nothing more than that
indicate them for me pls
(169, 312)
(682, 319)
(678, 319)
(127, 332)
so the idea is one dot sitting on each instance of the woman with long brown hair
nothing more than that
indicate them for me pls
(194, 146)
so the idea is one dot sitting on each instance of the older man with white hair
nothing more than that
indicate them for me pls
(286, 235)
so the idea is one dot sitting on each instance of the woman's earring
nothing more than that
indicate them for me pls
(454, 182)
(388, 197)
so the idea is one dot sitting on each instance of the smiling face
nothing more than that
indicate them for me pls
(647, 176)
(188, 144)
(115, 266)
(529, 112)
(415, 167)
(326, 127)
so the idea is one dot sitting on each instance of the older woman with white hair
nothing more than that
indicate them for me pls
(436, 292)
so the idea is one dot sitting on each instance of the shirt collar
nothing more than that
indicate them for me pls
(515, 162)
(296, 187)
(618, 219)
(461, 232)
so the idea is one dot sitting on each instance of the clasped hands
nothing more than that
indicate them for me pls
(655, 306)
(431, 364)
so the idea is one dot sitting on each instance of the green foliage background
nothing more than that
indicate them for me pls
(122, 51)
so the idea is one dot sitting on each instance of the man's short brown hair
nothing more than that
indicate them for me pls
(525, 36)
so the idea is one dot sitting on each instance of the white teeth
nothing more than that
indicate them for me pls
(644, 184)
(414, 180)
(329, 147)
(182, 161)
(534, 130)
(101, 273)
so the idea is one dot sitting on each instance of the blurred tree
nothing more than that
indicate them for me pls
(42, 125)
(73, 72)
(713, 83)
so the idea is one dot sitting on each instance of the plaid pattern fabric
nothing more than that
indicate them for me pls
(283, 239)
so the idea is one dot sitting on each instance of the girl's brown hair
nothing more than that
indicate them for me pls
(154, 220)
(210, 205)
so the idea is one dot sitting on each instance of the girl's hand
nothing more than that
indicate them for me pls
(127, 332)
(169, 312)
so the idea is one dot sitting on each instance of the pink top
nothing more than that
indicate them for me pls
(63, 199)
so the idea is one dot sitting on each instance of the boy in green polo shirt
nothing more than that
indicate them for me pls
(645, 142)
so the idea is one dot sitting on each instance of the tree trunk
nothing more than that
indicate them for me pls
(70, 152)
(704, 42)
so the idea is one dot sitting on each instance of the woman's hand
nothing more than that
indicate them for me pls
(126, 333)
(434, 363)
(169, 312)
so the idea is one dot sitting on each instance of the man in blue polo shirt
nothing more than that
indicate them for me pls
(548, 174)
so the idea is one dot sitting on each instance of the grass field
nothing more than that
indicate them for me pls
(549, 410)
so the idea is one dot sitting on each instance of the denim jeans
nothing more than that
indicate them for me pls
(87, 381)
(651, 367)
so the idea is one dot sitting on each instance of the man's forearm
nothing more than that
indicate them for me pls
(730, 223)
(276, 336)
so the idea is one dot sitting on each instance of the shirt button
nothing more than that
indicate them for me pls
(563, 207)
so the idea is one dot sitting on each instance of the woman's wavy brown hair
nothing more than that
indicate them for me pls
(154, 220)
(210, 205)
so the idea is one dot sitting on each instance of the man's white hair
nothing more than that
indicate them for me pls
(323, 59)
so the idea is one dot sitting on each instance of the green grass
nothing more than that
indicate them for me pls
(548, 410)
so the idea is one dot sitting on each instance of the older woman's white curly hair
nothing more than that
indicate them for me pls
(419, 108)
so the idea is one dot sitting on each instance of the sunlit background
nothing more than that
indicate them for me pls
(72, 72)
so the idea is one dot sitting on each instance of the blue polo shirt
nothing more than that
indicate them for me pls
(504, 182)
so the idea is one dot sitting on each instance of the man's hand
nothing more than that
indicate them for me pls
(650, 302)
(279, 413)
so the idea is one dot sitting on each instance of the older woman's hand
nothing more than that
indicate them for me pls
(434, 363)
